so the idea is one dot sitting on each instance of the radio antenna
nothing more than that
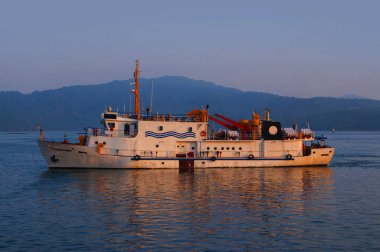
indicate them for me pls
(151, 98)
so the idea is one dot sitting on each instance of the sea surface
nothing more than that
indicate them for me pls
(315, 209)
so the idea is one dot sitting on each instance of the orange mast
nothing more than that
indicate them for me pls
(136, 91)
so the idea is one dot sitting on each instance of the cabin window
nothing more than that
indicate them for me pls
(190, 129)
(109, 116)
(126, 129)
(111, 125)
(160, 128)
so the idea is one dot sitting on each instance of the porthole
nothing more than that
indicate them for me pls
(96, 142)
(208, 148)
(240, 148)
(233, 148)
(157, 146)
(222, 148)
(104, 143)
(192, 148)
(190, 129)
(215, 148)
(160, 128)
(163, 163)
(228, 148)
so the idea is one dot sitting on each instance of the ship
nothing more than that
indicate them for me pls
(142, 141)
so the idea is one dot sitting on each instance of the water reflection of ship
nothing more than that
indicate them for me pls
(138, 206)
(159, 196)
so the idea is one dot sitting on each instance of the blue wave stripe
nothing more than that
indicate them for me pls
(169, 134)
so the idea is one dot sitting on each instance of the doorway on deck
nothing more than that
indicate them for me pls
(187, 149)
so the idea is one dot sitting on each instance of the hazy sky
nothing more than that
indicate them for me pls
(288, 47)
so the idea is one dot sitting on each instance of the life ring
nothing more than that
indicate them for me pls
(289, 157)
(137, 157)
(251, 157)
(203, 133)
(213, 158)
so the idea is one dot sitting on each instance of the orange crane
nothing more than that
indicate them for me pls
(246, 130)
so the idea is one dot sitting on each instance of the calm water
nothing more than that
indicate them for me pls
(334, 208)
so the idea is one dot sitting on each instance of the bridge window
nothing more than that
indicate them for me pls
(109, 116)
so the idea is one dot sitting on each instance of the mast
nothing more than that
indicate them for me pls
(136, 91)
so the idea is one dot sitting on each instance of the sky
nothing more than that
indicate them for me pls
(301, 48)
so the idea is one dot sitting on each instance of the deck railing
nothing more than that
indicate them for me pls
(164, 117)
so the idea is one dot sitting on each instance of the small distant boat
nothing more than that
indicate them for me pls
(333, 130)
(186, 141)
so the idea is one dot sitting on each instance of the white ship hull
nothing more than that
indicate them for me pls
(59, 155)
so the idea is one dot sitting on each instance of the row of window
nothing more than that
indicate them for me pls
(208, 148)
(227, 148)
(215, 148)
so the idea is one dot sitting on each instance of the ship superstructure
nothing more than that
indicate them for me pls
(186, 141)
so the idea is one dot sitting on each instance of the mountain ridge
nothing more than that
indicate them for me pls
(78, 106)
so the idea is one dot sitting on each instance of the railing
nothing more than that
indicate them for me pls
(298, 136)
(109, 133)
(165, 117)
(227, 135)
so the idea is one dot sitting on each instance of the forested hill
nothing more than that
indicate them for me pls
(76, 107)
